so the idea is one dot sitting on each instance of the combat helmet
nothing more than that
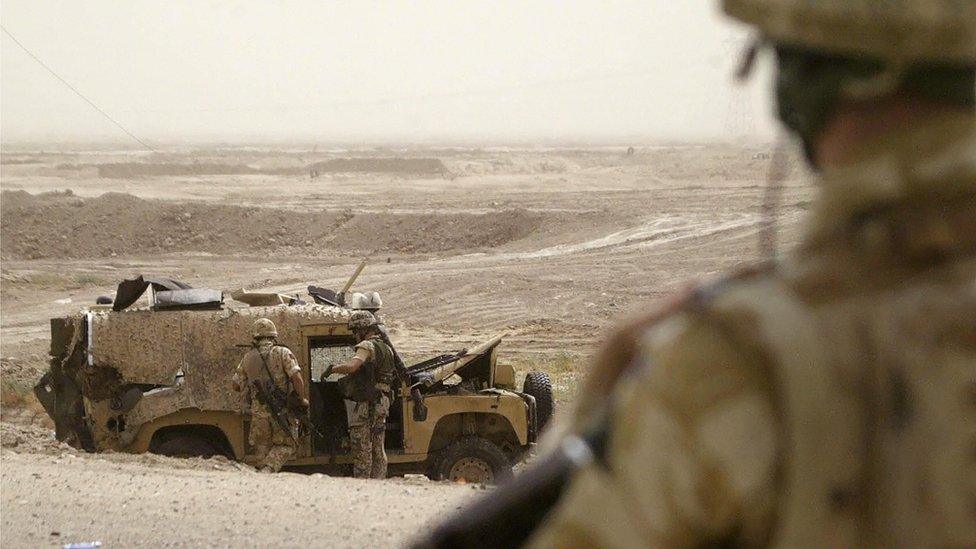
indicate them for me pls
(369, 301)
(361, 321)
(263, 327)
(907, 32)
(831, 51)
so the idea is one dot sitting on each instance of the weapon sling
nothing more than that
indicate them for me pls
(302, 419)
(267, 393)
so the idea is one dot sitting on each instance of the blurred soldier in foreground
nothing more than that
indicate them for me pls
(266, 372)
(828, 400)
(367, 389)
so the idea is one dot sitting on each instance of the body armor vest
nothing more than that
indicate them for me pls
(361, 386)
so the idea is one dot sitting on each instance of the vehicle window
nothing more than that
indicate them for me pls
(323, 353)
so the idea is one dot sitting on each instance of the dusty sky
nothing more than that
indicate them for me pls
(337, 71)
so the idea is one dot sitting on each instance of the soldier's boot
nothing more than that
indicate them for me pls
(277, 457)
(378, 469)
(361, 445)
(258, 457)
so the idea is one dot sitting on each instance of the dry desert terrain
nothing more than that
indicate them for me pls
(547, 244)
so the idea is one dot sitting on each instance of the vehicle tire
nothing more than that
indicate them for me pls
(186, 445)
(539, 386)
(472, 459)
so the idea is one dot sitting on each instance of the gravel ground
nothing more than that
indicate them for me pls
(123, 501)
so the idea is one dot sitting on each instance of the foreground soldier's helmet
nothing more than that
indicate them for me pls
(829, 51)
(906, 32)
(361, 321)
(264, 328)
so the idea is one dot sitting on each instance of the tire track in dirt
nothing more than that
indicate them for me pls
(558, 284)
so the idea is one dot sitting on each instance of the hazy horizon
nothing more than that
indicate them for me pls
(395, 73)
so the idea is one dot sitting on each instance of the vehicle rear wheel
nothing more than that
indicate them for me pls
(539, 386)
(472, 459)
(186, 445)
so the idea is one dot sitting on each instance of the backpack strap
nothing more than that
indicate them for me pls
(267, 370)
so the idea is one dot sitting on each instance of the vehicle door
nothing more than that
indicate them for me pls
(325, 345)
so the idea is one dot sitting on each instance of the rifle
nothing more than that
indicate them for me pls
(275, 401)
(299, 412)
(437, 361)
(280, 405)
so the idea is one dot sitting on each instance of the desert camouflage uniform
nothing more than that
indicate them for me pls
(367, 421)
(271, 446)
(827, 401)
(367, 432)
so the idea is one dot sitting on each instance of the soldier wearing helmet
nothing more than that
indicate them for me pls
(825, 399)
(268, 361)
(368, 391)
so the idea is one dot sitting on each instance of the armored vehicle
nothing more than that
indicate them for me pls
(156, 378)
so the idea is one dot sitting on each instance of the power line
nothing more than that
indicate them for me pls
(78, 93)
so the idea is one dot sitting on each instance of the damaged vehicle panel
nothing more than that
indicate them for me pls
(158, 379)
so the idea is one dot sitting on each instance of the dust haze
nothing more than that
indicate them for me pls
(341, 71)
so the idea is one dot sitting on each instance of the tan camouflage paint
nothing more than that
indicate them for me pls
(217, 340)
(140, 346)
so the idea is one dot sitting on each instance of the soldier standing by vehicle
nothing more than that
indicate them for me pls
(274, 367)
(367, 389)
(826, 400)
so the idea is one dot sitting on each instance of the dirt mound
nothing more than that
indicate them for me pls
(23, 370)
(31, 439)
(415, 233)
(121, 224)
(382, 165)
(511, 165)
(113, 224)
(133, 169)
(17, 161)
(401, 166)
(124, 170)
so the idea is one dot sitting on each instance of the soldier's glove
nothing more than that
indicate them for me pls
(325, 374)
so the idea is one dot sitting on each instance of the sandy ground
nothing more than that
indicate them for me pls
(57, 499)
(548, 245)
